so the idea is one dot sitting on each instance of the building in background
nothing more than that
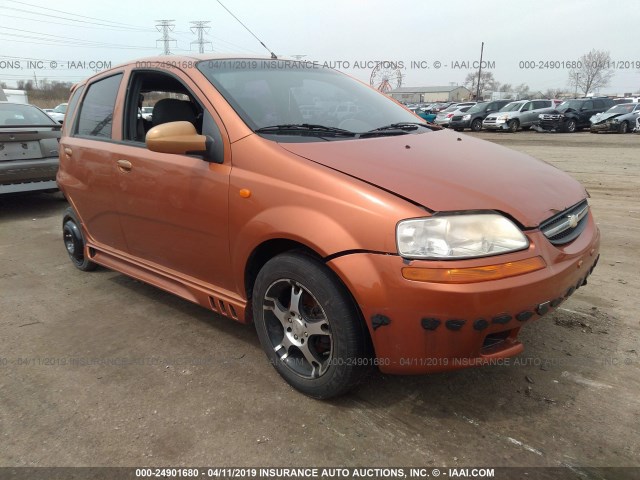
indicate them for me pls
(430, 94)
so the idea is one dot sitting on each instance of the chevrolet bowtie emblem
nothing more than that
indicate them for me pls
(573, 220)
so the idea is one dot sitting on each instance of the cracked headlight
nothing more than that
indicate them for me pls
(458, 236)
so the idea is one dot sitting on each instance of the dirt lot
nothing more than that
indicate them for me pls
(198, 390)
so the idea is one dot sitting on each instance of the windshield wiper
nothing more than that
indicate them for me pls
(304, 127)
(406, 126)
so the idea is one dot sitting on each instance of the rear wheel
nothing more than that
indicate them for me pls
(309, 326)
(513, 126)
(476, 125)
(74, 241)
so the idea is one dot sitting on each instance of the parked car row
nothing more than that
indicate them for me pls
(543, 115)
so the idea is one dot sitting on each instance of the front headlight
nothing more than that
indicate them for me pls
(466, 117)
(503, 117)
(458, 236)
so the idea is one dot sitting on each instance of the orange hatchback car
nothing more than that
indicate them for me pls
(351, 233)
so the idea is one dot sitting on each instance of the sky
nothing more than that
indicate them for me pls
(433, 43)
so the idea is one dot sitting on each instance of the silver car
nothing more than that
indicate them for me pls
(444, 117)
(28, 149)
(520, 114)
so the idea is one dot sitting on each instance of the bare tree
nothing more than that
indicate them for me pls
(555, 92)
(592, 73)
(487, 82)
(522, 91)
(505, 87)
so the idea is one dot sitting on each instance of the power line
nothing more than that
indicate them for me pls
(112, 28)
(40, 7)
(164, 27)
(124, 28)
(200, 28)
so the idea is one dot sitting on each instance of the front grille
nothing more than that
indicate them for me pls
(566, 226)
(490, 120)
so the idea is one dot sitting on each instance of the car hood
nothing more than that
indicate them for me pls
(601, 117)
(448, 171)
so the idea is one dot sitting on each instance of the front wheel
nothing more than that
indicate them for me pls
(309, 326)
(513, 126)
(476, 125)
(570, 126)
(623, 128)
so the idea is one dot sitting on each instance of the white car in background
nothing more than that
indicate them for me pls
(58, 113)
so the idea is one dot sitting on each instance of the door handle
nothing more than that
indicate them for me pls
(124, 165)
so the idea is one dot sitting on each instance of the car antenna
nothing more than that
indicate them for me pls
(273, 55)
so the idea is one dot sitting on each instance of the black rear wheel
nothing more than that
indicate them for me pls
(74, 241)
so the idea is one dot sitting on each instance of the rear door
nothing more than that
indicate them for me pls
(87, 172)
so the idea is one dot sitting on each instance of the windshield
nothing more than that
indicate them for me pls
(623, 108)
(478, 107)
(452, 108)
(16, 114)
(278, 92)
(570, 104)
(62, 108)
(512, 107)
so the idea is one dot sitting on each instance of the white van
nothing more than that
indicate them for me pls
(13, 96)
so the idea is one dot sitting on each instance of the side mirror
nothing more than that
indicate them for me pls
(178, 138)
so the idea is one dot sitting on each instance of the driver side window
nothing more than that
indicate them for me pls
(155, 98)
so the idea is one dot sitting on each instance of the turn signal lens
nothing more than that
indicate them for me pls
(474, 274)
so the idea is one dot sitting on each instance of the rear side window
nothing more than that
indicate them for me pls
(541, 104)
(598, 103)
(96, 110)
(587, 105)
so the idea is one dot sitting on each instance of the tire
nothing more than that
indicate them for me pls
(513, 126)
(570, 126)
(74, 242)
(309, 326)
(623, 128)
(476, 125)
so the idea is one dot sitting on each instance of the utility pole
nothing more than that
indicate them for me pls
(200, 28)
(35, 80)
(165, 27)
(577, 79)
(479, 74)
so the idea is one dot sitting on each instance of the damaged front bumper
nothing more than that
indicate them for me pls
(420, 327)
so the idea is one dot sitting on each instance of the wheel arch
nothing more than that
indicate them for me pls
(271, 248)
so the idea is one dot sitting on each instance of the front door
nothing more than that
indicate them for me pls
(173, 208)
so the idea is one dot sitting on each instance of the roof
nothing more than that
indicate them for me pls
(447, 89)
